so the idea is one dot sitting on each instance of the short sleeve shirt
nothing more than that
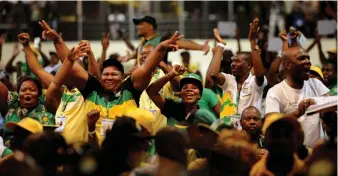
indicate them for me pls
(284, 99)
(235, 102)
(208, 100)
(116, 104)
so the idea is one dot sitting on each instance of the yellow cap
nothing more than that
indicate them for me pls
(317, 70)
(28, 124)
(143, 117)
(332, 50)
(269, 119)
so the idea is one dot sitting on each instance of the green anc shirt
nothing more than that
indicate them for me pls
(109, 104)
(15, 113)
(208, 101)
(25, 70)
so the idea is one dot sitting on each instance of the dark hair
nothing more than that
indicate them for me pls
(28, 78)
(247, 57)
(112, 160)
(331, 62)
(170, 143)
(185, 54)
(113, 62)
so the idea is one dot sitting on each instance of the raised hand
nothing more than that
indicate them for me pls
(178, 70)
(206, 47)
(86, 46)
(92, 117)
(23, 38)
(48, 32)
(283, 35)
(77, 52)
(105, 40)
(171, 43)
(254, 28)
(218, 37)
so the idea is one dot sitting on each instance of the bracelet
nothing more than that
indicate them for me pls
(221, 45)
(92, 132)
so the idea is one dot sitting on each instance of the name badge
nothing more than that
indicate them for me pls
(106, 125)
(61, 122)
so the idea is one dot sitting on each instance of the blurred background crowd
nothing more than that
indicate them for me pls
(88, 19)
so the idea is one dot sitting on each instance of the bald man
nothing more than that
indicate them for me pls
(251, 123)
(293, 95)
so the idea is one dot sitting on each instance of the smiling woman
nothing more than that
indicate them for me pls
(26, 102)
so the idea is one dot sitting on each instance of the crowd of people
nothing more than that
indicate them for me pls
(90, 116)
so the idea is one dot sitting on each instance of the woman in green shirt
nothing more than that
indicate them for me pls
(28, 101)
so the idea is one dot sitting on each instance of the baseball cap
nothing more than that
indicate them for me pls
(115, 63)
(332, 50)
(192, 78)
(143, 117)
(148, 19)
(52, 53)
(200, 116)
(128, 127)
(317, 70)
(27, 123)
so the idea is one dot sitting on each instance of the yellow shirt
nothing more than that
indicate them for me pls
(72, 107)
(148, 104)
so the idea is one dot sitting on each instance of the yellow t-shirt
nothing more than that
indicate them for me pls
(148, 104)
(72, 107)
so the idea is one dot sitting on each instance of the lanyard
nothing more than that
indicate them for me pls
(66, 103)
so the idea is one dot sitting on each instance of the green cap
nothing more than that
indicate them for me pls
(192, 78)
(200, 116)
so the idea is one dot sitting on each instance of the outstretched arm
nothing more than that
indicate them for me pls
(155, 87)
(9, 66)
(214, 74)
(190, 45)
(175, 82)
(284, 37)
(105, 45)
(78, 73)
(93, 66)
(54, 91)
(142, 75)
(32, 61)
(256, 54)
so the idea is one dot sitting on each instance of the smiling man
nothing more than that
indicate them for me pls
(293, 95)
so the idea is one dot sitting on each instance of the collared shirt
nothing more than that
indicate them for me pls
(71, 107)
(116, 104)
(234, 102)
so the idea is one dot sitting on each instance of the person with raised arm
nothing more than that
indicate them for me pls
(241, 89)
(111, 94)
(105, 45)
(67, 101)
(146, 28)
(293, 95)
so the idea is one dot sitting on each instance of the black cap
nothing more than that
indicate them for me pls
(128, 127)
(115, 63)
(147, 19)
(52, 53)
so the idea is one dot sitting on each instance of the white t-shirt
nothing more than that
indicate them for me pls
(284, 99)
(250, 94)
(50, 69)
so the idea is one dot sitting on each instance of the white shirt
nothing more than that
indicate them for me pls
(50, 69)
(284, 99)
(250, 94)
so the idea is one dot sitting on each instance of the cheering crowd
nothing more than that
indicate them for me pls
(90, 116)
